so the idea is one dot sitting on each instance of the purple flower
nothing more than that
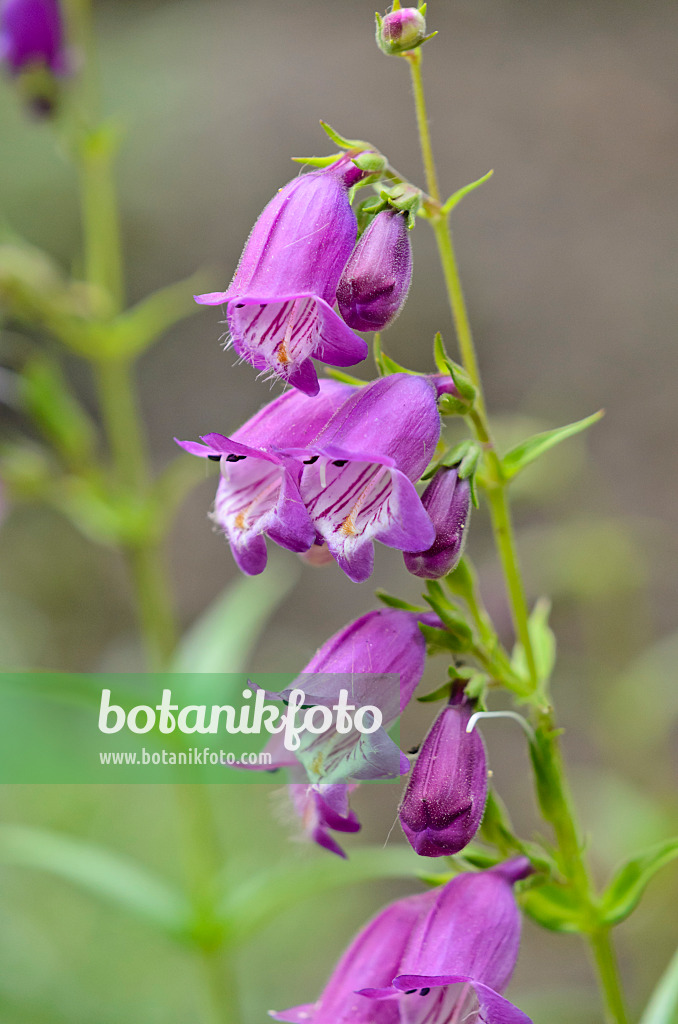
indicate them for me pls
(369, 651)
(281, 297)
(324, 809)
(258, 492)
(374, 954)
(376, 279)
(401, 30)
(379, 659)
(442, 957)
(31, 32)
(358, 474)
(445, 797)
(447, 499)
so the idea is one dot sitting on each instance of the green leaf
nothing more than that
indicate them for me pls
(48, 400)
(543, 643)
(553, 907)
(221, 640)
(663, 1005)
(630, 882)
(396, 602)
(100, 872)
(529, 450)
(137, 328)
(255, 901)
(457, 196)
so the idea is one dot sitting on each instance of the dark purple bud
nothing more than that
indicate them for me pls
(447, 499)
(401, 30)
(31, 34)
(445, 796)
(376, 279)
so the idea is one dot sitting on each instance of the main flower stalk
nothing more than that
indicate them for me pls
(558, 809)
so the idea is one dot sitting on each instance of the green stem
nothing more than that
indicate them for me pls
(203, 861)
(413, 58)
(553, 791)
(608, 972)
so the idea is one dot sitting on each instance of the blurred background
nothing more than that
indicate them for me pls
(569, 261)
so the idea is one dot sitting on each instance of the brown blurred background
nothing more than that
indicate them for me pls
(569, 261)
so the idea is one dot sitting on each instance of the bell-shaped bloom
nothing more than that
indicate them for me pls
(258, 492)
(372, 958)
(445, 797)
(448, 954)
(379, 659)
(31, 34)
(468, 937)
(375, 282)
(358, 475)
(324, 809)
(280, 301)
(447, 499)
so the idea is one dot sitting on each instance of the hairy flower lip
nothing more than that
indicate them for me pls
(280, 301)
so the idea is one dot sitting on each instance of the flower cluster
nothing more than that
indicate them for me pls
(298, 259)
(336, 470)
(324, 470)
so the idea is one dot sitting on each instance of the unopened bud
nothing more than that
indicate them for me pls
(447, 499)
(401, 30)
(445, 797)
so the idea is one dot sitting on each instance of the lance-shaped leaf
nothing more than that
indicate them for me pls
(98, 871)
(630, 882)
(529, 450)
(457, 196)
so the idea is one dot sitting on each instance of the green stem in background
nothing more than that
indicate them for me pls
(203, 859)
(553, 791)
(94, 149)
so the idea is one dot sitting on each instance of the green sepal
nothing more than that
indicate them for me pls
(457, 196)
(317, 161)
(554, 907)
(449, 616)
(396, 602)
(542, 757)
(497, 830)
(476, 686)
(440, 693)
(543, 643)
(385, 365)
(370, 161)
(404, 198)
(530, 449)
(46, 397)
(447, 366)
(340, 141)
(439, 640)
(345, 378)
(448, 405)
(624, 892)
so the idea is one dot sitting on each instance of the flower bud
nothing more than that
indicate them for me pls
(31, 33)
(447, 499)
(445, 797)
(376, 279)
(401, 30)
